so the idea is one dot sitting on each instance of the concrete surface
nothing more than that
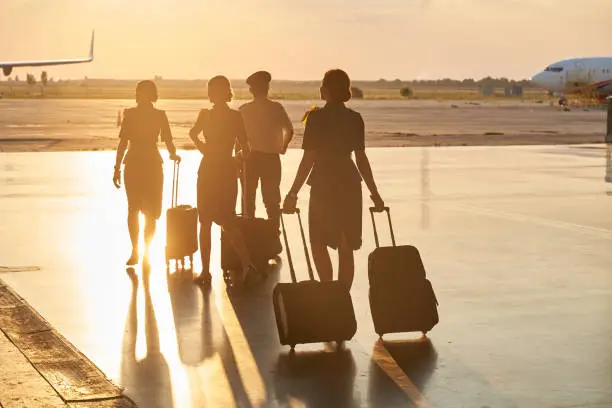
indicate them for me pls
(62, 125)
(39, 368)
(516, 241)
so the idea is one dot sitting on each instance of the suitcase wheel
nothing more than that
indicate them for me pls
(292, 349)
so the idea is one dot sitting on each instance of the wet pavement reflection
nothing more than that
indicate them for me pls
(516, 242)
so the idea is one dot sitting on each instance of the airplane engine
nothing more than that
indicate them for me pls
(7, 70)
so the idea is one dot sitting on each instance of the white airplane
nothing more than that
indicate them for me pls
(7, 67)
(577, 75)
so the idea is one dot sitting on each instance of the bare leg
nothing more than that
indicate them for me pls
(346, 263)
(149, 232)
(134, 230)
(322, 261)
(205, 277)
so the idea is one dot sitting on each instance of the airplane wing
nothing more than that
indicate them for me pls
(7, 67)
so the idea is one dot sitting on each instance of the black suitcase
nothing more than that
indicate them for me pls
(311, 311)
(402, 299)
(181, 228)
(261, 238)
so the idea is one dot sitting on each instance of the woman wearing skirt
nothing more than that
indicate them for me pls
(141, 128)
(223, 129)
(332, 134)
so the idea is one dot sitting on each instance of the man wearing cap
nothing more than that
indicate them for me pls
(269, 131)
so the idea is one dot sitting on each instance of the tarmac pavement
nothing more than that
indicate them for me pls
(516, 241)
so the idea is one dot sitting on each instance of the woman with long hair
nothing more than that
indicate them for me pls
(332, 134)
(141, 128)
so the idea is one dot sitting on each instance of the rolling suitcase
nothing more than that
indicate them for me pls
(261, 238)
(311, 311)
(181, 228)
(402, 299)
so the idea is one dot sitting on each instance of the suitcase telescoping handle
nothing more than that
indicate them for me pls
(388, 210)
(243, 188)
(308, 263)
(175, 176)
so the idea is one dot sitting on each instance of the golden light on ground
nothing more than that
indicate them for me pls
(149, 336)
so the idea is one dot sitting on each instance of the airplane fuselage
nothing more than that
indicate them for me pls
(577, 75)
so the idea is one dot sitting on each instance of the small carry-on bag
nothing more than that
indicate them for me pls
(261, 238)
(402, 299)
(181, 228)
(311, 311)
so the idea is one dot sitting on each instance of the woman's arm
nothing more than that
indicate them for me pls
(363, 164)
(123, 143)
(124, 137)
(303, 171)
(166, 136)
(195, 131)
(120, 153)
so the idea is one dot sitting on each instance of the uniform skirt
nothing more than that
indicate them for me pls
(144, 182)
(336, 211)
(217, 192)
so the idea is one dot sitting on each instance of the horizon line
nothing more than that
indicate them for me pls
(279, 79)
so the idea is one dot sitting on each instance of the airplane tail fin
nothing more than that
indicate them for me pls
(91, 47)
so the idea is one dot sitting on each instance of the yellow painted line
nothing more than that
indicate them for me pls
(387, 363)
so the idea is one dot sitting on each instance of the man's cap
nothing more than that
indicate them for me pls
(259, 77)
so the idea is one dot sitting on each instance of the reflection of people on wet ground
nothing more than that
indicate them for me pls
(415, 359)
(332, 133)
(192, 319)
(151, 374)
(201, 334)
(222, 128)
(317, 379)
(143, 177)
(269, 131)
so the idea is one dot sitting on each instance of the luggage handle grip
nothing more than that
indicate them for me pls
(289, 258)
(378, 210)
(175, 176)
(243, 187)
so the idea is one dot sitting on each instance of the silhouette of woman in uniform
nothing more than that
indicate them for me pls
(332, 134)
(141, 128)
(222, 128)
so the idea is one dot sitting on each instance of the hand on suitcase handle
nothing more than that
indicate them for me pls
(379, 210)
(290, 211)
(290, 204)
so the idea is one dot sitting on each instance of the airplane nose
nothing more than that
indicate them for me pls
(539, 79)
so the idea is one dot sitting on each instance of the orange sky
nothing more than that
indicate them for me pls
(294, 39)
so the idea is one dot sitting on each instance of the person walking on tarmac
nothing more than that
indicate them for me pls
(141, 128)
(333, 134)
(269, 131)
(217, 189)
